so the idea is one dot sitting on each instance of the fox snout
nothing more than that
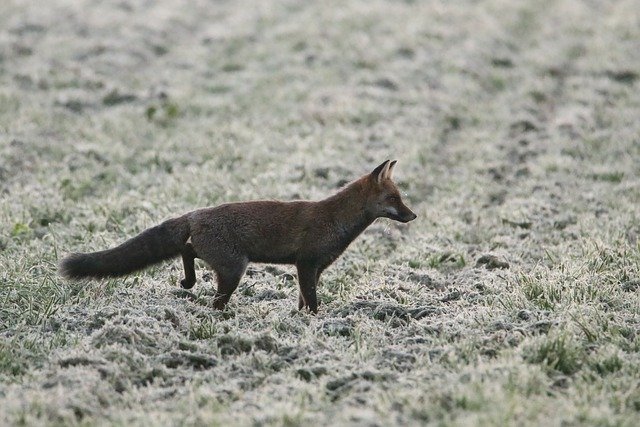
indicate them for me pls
(410, 216)
(406, 216)
(400, 213)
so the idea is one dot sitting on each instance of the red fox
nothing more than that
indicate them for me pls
(309, 234)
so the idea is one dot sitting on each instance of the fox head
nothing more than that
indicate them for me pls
(384, 198)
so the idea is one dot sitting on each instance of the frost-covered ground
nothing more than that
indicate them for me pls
(512, 299)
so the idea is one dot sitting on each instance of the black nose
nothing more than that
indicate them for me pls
(408, 217)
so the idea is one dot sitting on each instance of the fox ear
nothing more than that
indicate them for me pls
(390, 170)
(380, 172)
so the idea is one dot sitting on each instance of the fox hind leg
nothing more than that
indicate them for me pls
(188, 257)
(228, 279)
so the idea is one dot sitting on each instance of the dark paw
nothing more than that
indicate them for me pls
(220, 302)
(313, 310)
(185, 284)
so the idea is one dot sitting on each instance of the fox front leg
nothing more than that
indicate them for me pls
(308, 278)
(301, 298)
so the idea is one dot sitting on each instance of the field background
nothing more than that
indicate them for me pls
(512, 299)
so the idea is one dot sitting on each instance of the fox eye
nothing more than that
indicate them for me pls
(393, 198)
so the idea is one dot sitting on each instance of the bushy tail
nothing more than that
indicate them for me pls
(152, 246)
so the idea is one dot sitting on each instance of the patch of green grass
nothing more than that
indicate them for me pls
(204, 328)
(540, 292)
(606, 361)
(613, 177)
(497, 83)
(232, 67)
(19, 229)
(12, 365)
(445, 260)
(163, 114)
(33, 299)
(74, 189)
(558, 351)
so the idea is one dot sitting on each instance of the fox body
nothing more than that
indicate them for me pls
(309, 234)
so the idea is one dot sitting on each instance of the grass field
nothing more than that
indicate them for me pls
(513, 299)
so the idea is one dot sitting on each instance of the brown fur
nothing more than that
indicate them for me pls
(310, 235)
